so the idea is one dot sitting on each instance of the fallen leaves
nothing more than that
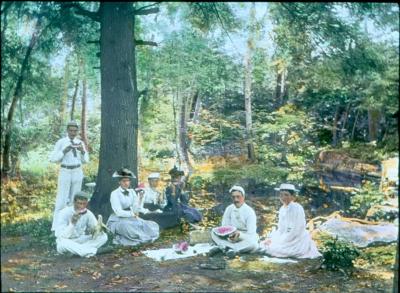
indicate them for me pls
(96, 275)
(60, 286)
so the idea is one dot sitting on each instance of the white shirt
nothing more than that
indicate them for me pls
(243, 218)
(68, 159)
(65, 229)
(120, 201)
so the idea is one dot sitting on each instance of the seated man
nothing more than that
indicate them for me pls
(291, 239)
(243, 218)
(77, 229)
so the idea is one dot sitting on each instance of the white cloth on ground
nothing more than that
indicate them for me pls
(128, 229)
(69, 180)
(245, 221)
(291, 239)
(76, 238)
(169, 253)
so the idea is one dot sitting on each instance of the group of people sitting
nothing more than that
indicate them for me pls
(138, 214)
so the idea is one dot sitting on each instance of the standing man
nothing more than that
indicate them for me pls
(71, 153)
(243, 218)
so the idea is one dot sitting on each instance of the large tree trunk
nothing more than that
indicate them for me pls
(16, 97)
(396, 270)
(83, 115)
(74, 99)
(247, 89)
(373, 124)
(119, 100)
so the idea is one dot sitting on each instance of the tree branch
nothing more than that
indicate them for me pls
(145, 43)
(93, 42)
(144, 7)
(147, 11)
(81, 11)
(6, 6)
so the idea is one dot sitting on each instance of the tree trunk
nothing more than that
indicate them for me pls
(83, 115)
(373, 124)
(197, 109)
(396, 270)
(16, 97)
(345, 116)
(355, 124)
(247, 89)
(119, 100)
(334, 126)
(183, 136)
(64, 100)
(74, 99)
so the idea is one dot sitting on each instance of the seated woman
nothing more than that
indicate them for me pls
(124, 223)
(178, 200)
(291, 239)
(153, 199)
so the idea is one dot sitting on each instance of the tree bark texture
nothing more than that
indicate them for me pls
(74, 99)
(247, 89)
(83, 114)
(373, 124)
(334, 126)
(183, 135)
(119, 102)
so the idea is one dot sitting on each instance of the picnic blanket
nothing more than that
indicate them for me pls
(169, 253)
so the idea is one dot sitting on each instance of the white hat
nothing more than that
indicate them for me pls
(286, 186)
(154, 176)
(237, 188)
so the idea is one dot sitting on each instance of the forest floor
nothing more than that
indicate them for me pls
(29, 266)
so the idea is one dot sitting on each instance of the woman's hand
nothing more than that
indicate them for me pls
(267, 242)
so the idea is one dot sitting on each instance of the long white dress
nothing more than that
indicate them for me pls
(129, 230)
(76, 238)
(291, 239)
(245, 220)
(69, 180)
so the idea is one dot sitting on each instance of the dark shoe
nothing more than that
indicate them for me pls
(105, 249)
(214, 251)
(230, 254)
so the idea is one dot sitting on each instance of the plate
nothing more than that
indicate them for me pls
(224, 230)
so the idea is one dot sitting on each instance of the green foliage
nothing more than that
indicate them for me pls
(338, 255)
(37, 231)
(368, 196)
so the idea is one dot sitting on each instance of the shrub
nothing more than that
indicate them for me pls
(338, 255)
(364, 199)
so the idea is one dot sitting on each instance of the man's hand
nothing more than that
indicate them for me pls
(67, 149)
(75, 218)
(80, 148)
(234, 237)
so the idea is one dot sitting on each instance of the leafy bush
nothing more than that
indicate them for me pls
(338, 255)
(37, 230)
(368, 196)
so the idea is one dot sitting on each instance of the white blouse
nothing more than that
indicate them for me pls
(120, 202)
